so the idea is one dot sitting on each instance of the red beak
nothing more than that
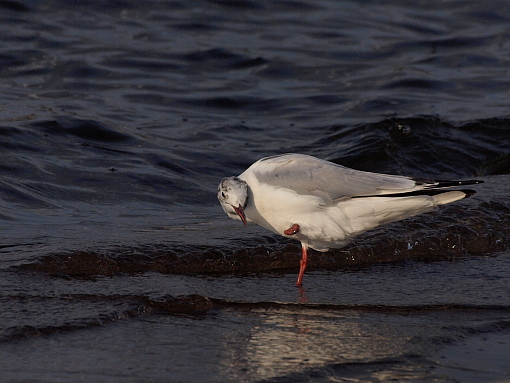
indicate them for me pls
(240, 212)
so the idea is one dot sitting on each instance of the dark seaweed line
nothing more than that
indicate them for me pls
(371, 308)
(194, 306)
(199, 303)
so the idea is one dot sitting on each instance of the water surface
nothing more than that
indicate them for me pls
(118, 119)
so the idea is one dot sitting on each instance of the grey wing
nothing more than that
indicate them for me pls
(309, 175)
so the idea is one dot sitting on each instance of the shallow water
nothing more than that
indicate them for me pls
(119, 119)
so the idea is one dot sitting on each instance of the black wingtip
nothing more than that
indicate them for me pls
(439, 184)
(468, 193)
(471, 182)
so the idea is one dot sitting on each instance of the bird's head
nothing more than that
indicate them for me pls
(233, 196)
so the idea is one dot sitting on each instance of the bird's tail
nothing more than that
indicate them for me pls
(442, 198)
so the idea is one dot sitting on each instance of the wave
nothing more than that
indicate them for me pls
(195, 306)
(452, 232)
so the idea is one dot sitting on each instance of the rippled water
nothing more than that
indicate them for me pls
(117, 121)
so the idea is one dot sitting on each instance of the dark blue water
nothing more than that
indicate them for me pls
(119, 118)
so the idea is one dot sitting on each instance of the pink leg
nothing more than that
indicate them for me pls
(302, 264)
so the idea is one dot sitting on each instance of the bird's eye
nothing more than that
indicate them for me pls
(223, 194)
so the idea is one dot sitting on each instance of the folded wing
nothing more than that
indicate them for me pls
(309, 175)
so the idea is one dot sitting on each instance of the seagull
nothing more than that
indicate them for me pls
(325, 205)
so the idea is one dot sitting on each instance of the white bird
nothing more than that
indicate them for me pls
(325, 205)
